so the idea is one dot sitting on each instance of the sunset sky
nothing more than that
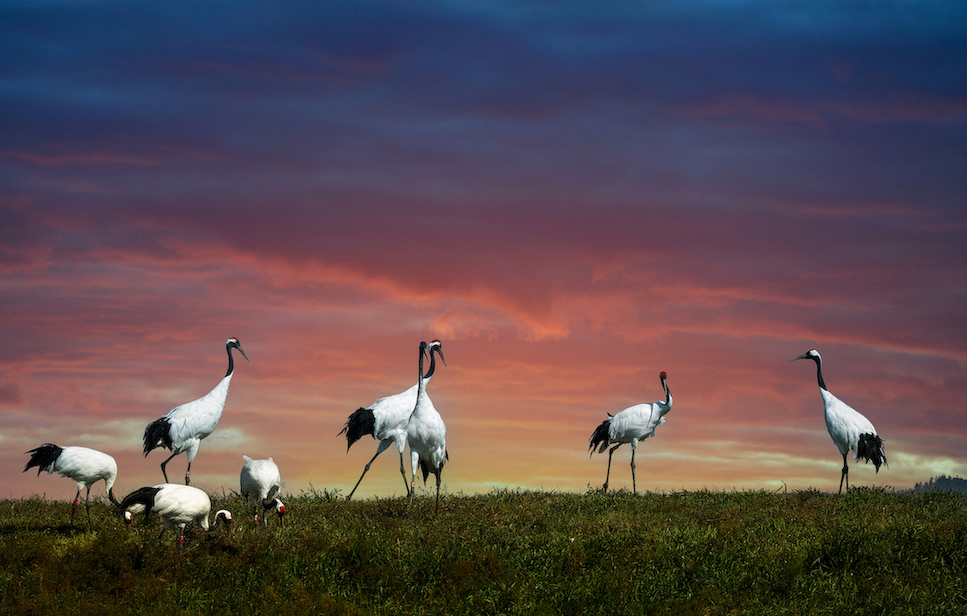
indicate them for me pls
(571, 196)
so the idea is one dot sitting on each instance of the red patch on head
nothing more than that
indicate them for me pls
(663, 375)
(435, 342)
(282, 509)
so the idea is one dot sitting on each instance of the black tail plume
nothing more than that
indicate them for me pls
(158, 433)
(141, 496)
(43, 457)
(870, 449)
(359, 424)
(601, 435)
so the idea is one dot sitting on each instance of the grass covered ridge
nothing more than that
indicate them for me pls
(867, 551)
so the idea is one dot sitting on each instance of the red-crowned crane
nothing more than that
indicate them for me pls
(177, 505)
(847, 427)
(427, 436)
(184, 426)
(631, 425)
(385, 420)
(260, 483)
(83, 465)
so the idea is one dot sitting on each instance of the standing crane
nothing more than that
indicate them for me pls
(83, 465)
(260, 483)
(177, 505)
(631, 425)
(848, 428)
(427, 435)
(184, 426)
(385, 420)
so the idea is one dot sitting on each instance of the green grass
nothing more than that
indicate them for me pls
(868, 551)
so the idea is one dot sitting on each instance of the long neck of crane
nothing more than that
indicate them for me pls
(421, 383)
(819, 374)
(668, 394)
(429, 373)
(231, 364)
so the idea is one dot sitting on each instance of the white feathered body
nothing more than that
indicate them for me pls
(85, 466)
(844, 423)
(260, 480)
(426, 433)
(178, 505)
(391, 415)
(193, 421)
(636, 423)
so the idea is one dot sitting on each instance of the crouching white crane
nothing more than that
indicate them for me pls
(427, 436)
(848, 428)
(385, 420)
(83, 465)
(631, 425)
(177, 505)
(260, 484)
(184, 426)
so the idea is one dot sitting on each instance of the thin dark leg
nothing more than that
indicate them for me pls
(607, 477)
(188, 474)
(436, 510)
(365, 470)
(77, 499)
(634, 488)
(165, 463)
(403, 472)
(844, 476)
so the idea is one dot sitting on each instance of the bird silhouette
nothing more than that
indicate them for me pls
(426, 434)
(177, 505)
(385, 420)
(83, 465)
(848, 428)
(631, 425)
(183, 427)
(260, 483)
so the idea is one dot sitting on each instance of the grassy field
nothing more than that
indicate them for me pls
(867, 551)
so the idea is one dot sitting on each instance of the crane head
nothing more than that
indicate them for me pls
(233, 342)
(812, 354)
(437, 346)
(280, 510)
(663, 376)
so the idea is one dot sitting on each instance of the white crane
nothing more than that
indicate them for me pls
(631, 425)
(260, 483)
(184, 426)
(177, 505)
(848, 428)
(385, 420)
(427, 435)
(83, 465)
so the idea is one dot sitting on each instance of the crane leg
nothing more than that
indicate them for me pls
(87, 503)
(845, 475)
(77, 499)
(634, 488)
(403, 472)
(607, 477)
(165, 463)
(188, 474)
(412, 493)
(366, 470)
(436, 510)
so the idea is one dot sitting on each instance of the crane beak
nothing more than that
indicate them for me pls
(440, 351)
(239, 347)
(803, 356)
